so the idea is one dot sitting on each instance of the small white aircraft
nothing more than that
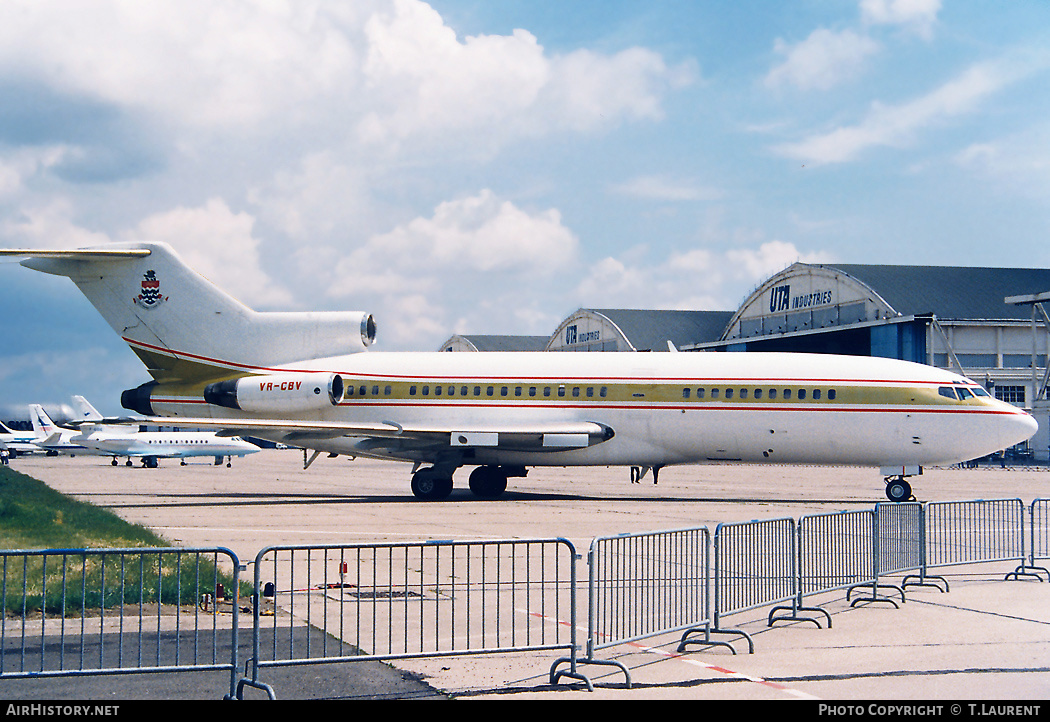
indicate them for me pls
(309, 380)
(97, 436)
(17, 442)
(153, 445)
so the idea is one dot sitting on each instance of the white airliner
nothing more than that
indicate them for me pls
(309, 380)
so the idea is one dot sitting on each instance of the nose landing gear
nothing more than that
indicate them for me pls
(898, 490)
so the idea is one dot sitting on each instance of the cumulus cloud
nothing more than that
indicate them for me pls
(480, 233)
(469, 251)
(388, 69)
(821, 61)
(695, 279)
(50, 225)
(217, 243)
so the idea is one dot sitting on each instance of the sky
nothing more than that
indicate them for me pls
(491, 166)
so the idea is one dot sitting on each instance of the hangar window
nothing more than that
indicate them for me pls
(1010, 394)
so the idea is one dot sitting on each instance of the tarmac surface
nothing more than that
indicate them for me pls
(984, 640)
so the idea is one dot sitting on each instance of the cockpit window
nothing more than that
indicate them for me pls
(947, 392)
(964, 393)
(978, 391)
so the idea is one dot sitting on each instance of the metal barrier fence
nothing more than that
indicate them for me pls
(390, 601)
(116, 611)
(1039, 515)
(974, 532)
(754, 567)
(900, 544)
(836, 551)
(70, 612)
(643, 585)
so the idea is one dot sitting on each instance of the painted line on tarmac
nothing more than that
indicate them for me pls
(725, 671)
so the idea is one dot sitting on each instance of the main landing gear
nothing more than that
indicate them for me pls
(487, 482)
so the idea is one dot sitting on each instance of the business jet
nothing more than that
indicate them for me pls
(311, 380)
(151, 446)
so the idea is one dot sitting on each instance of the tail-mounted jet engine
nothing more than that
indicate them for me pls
(277, 393)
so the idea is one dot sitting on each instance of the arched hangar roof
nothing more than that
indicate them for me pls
(591, 329)
(813, 296)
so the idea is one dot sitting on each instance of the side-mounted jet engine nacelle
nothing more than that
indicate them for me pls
(277, 393)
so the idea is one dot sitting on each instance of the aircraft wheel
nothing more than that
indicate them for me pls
(898, 490)
(114, 462)
(488, 482)
(429, 485)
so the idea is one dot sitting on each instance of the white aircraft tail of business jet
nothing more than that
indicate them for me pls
(51, 437)
(310, 380)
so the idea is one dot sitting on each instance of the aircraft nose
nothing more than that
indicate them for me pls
(1018, 427)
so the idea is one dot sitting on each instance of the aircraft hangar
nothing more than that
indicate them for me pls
(955, 318)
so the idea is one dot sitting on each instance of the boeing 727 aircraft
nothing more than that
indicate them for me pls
(310, 380)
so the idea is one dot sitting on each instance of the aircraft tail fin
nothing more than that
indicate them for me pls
(184, 328)
(43, 426)
(85, 411)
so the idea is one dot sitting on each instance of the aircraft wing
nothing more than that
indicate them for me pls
(553, 436)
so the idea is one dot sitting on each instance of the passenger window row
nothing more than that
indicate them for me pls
(453, 390)
(788, 394)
